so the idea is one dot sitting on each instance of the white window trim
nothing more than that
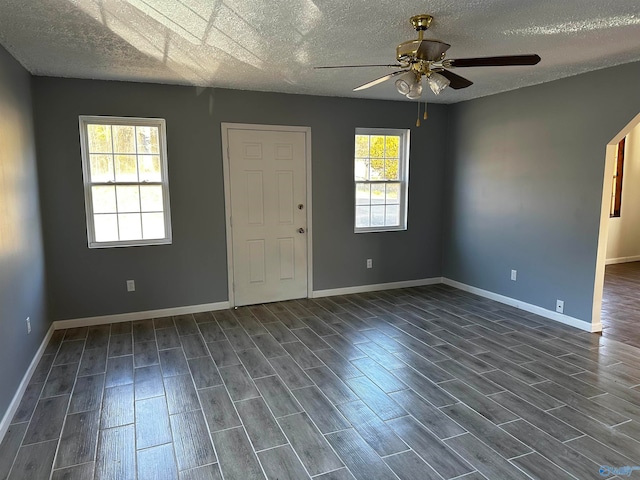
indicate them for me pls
(85, 120)
(403, 178)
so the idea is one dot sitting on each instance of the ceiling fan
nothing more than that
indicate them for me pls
(425, 58)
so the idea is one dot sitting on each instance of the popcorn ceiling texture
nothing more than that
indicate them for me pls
(273, 45)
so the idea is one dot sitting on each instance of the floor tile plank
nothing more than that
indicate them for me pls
(437, 454)
(260, 424)
(363, 462)
(191, 440)
(237, 459)
(281, 463)
(311, 447)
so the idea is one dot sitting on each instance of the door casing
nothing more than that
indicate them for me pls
(227, 197)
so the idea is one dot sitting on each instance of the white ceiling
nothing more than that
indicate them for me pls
(273, 45)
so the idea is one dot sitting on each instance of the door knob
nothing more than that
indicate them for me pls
(300, 206)
(301, 230)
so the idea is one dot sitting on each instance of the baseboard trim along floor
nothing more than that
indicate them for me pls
(15, 402)
(527, 307)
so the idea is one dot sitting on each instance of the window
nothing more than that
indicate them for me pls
(124, 164)
(381, 176)
(616, 195)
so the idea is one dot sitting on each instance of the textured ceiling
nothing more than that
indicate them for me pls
(273, 45)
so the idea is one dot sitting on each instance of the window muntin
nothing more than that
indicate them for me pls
(125, 181)
(381, 176)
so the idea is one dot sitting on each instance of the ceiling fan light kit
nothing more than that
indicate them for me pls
(437, 82)
(405, 82)
(425, 58)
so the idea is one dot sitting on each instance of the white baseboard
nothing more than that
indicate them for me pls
(376, 287)
(612, 261)
(132, 316)
(528, 307)
(17, 397)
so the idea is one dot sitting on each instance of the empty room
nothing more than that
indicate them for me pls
(334, 240)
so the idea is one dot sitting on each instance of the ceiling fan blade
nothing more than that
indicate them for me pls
(504, 61)
(357, 66)
(457, 82)
(431, 50)
(378, 80)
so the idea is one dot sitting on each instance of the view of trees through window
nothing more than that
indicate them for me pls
(125, 180)
(378, 180)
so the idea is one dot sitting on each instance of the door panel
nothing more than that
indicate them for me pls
(267, 171)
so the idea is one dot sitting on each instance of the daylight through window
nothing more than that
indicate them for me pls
(381, 172)
(125, 180)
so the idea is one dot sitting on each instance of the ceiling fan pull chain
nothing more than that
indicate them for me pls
(425, 109)
(418, 119)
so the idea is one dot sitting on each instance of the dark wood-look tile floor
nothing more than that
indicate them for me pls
(621, 303)
(419, 383)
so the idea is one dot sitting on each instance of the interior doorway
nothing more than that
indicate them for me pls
(267, 192)
(601, 317)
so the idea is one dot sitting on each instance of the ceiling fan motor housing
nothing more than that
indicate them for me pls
(421, 22)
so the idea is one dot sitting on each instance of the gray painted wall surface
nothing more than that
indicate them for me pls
(526, 172)
(22, 277)
(193, 269)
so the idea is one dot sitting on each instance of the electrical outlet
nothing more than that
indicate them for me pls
(28, 325)
(369, 263)
(514, 275)
(131, 285)
(560, 306)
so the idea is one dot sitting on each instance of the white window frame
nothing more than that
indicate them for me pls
(160, 123)
(403, 177)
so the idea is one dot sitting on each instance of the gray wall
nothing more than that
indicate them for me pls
(526, 171)
(193, 269)
(22, 284)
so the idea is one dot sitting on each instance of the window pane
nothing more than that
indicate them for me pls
(376, 148)
(363, 194)
(361, 169)
(124, 140)
(362, 217)
(377, 169)
(392, 216)
(101, 168)
(130, 227)
(392, 144)
(153, 225)
(377, 216)
(377, 193)
(149, 166)
(151, 198)
(382, 183)
(148, 140)
(104, 199)
(391, 169)
(99, 138)
(128, 198)
(393, 193)
(106, 228)
(362, 145)
(126, 169)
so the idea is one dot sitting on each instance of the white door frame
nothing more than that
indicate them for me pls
(227, 196)
(603, 235)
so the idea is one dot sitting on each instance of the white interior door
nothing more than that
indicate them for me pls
(268, 200)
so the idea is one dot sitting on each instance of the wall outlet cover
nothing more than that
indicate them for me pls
(560, 306)
(514, 275)
(131, 285)
(369, 263)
